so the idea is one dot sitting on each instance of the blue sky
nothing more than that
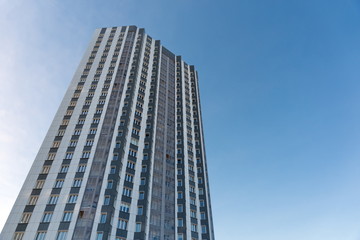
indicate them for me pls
(280, 96)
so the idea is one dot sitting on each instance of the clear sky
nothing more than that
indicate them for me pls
(280, 94)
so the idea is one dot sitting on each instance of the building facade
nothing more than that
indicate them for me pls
(124, 157)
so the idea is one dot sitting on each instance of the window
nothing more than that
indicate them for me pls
(109, 184)
(132, 153)
(53, 199)
(180, 222)
(72, 198)
(134, 141)
(122, 224)
(92, 131)
(129, 178)
(40, 236)
(143, 181)
(127, 192)
(82, 168)
(61, 133)
(179, 183)
(180, 208)
(180, 236)
(140, 210)
(200, 180)
(144, 168)
(124, 207)
(131, 165)
(135, 131)
(112, 169)
(85, 155)
(180, 195)
(67, 216)
(45, 169)
(47, 217)
(77, 132)
(138, 227)
(193, 227)
(107, 200)
(25, 218)
(179, 171)
(39, 184)
(64, 169)
(89, 143)
(141, 195)
(203, 229)
(61, 235)
(201, 191)
(69, 155)
(138, 113)
(18, 236)
(65, 122)
(202, 203)
(33, 200)
(103, 217)
(77, 182)
(191, 178)
(72, 143)
(99, 236)
(202, 216)
(192, 214)
(51, 156)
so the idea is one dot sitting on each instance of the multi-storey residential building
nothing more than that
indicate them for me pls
(124, 157)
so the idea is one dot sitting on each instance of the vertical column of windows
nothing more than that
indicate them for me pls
(204, 201)
(107, 209)
(169, 173)
(101, 155)
(162, 222)
(180, 166)
(142, 204)
(159, 151)
(131, 104)
(191, 173)
(87, 149)
(73, 143)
